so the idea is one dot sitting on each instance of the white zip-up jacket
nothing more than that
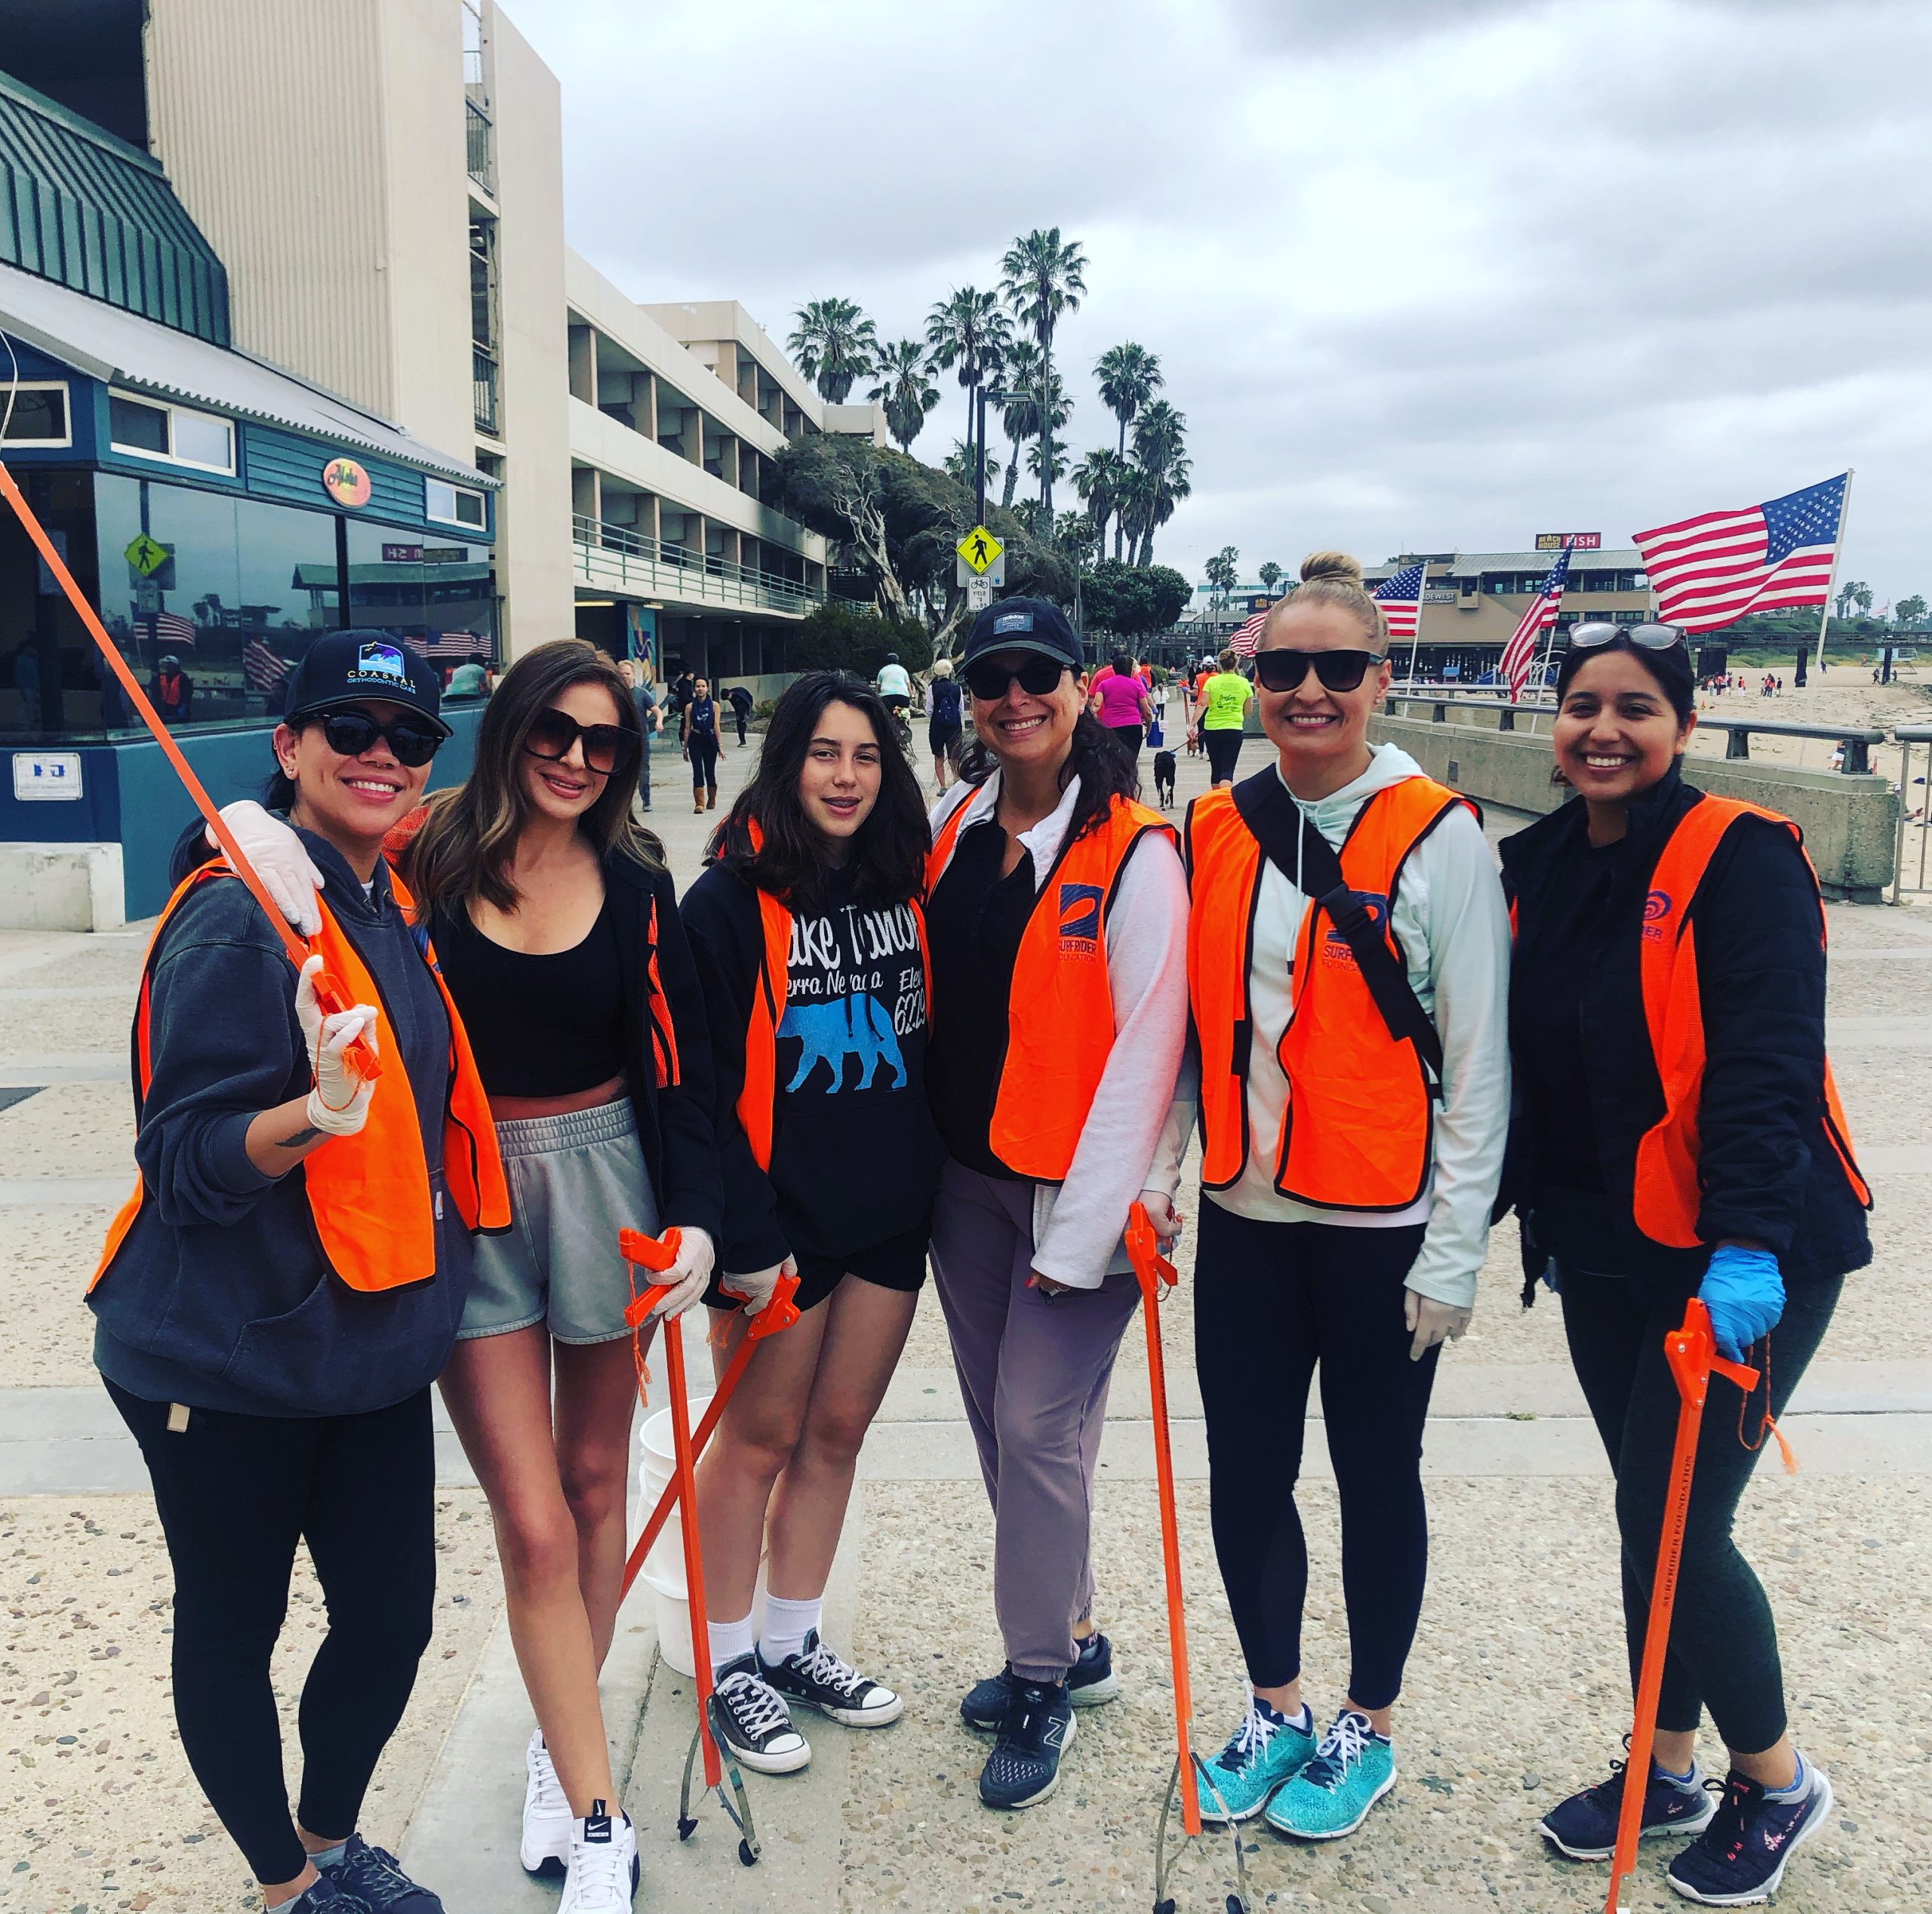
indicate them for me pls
(1452, 925)
(1077, 1224)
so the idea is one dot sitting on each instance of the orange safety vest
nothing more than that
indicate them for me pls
(758, 1101)
(1359, 1124)
(1668, 1191)
(369, 1193)
(1060, 1008)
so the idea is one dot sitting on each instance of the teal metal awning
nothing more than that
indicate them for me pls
(90, 212)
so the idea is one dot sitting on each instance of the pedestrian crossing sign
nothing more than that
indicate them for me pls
(978, 550)
(146, 555)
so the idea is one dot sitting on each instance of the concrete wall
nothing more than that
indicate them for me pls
(1850, 824)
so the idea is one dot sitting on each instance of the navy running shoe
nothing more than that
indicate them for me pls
(1584, 1827)
(1740, 1858)
(373, 1876)
(322, 1896)
(1091, 1681)
(1024, 1766)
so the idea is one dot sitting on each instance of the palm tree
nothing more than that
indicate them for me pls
(833, 344)
(905, 390)
(1170, 486)
(1159, 438)
(966, 328)
(1042, 281)
(1268, 574)
(1024, 372)
(1861, 596)
(1223, 571)
(962, 466)
(1129, 377)
(1097, 478)
(1847, 596)
(1034, 461)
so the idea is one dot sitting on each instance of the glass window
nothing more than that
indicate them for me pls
(453, 505)
(134, 427)
(201, 439)
(171, 431)
(34, 415)
(438, 593)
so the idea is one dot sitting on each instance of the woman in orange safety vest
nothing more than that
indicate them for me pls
(1348, 957)
(286, 1281)
(1678, 1134)
(1056, 915)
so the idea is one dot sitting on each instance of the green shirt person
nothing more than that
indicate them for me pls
(1223, 707)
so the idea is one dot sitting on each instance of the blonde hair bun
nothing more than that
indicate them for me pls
(1337, 566)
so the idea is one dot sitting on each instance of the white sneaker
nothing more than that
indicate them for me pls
(601, 1877)
(547, 1826)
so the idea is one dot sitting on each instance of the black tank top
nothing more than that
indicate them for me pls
(539, 1026)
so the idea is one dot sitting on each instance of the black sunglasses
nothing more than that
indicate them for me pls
(987, 678)
(1652, 638)
(1280, 670)
(552, 732)
(350, 733)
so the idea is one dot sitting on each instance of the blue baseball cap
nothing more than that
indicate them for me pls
(1023, 624)
(342, 666)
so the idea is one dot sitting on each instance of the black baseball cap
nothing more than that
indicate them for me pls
(1023, 624)
(341, 667)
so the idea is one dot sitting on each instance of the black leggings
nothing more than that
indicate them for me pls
(1723, 1644)
(1223, 748)
(703, 747)
(235, 1494)
(1271, 1299)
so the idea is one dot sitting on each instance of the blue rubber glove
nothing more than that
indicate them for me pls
(1744, 1292)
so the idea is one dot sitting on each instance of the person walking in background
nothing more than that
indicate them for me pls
(807, 931)
(636, 673)
(276, 1298)
(697, 729)
(1119, 699)
(1351, 1064)
(1222, 703)
(1679, 1134)
(739, 699)
(945, 722)
(170, 691)
(1056, 914)
(470, 679)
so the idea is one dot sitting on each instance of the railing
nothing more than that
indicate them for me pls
(483, 385)
(611, 556)
(1908, 735)
(478, 148)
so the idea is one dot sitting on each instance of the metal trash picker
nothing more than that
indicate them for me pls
(656, 1254)
(1691, 1352)
(330, 994)
(1154, 1273)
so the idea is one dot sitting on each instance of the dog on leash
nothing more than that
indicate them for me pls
(1165, 765)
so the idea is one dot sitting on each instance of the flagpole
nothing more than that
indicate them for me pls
(1837, 551)
(1415, 641)
(1549, 643)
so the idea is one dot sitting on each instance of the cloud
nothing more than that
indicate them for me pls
(1422, 273)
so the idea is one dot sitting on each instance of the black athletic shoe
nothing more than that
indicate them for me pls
(371, 1875)
(816, 1677)
(1091, 1681)
(1024, 1766)
(757, 1724)
(1584, 1827)
(1740, 1858)
(323, 1896)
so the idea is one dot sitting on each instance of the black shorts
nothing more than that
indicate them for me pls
(944, 740)
(899, 1263)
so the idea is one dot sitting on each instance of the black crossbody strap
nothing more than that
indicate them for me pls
(1272, 815)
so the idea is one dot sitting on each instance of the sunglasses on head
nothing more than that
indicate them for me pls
(552, 732)
(987, 678)
(351, 732)
(1652, 638)
(1280, 670)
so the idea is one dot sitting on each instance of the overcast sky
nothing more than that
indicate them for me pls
(1424, 274)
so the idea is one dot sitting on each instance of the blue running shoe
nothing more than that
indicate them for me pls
(1348, 1773)
(1260, 1755)
(1584, 1826)
(1740, 1859)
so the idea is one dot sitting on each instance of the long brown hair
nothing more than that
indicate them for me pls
(463, 850)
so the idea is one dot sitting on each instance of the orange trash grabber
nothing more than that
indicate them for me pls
(1692, 1353)
(780, 1312)
(656, 1254)
(329, 993)
(1155, 1272)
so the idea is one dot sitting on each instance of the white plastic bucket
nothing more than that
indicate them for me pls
(673, 1613)
(656, 1463)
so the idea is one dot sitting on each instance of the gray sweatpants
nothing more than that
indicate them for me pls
(1034, 1371)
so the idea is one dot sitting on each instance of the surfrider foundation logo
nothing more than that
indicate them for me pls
(1080, 919)
(1657, 906)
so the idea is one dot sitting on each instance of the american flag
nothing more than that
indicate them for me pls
(263, 669)
(1247, 637)
(168, 628)
(1401, 600)
(1520, 654)
(452, 648)
(1711, 569)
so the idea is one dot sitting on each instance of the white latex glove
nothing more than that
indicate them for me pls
(285, 868)
(1431, 1322)
(756, 1286)
(1162, 1214)
(689, 1277)
(339, 1103)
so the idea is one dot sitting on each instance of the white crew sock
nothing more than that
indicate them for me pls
(787, 1625)
(729, 1641)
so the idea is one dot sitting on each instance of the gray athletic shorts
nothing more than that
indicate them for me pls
(574, 1182)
